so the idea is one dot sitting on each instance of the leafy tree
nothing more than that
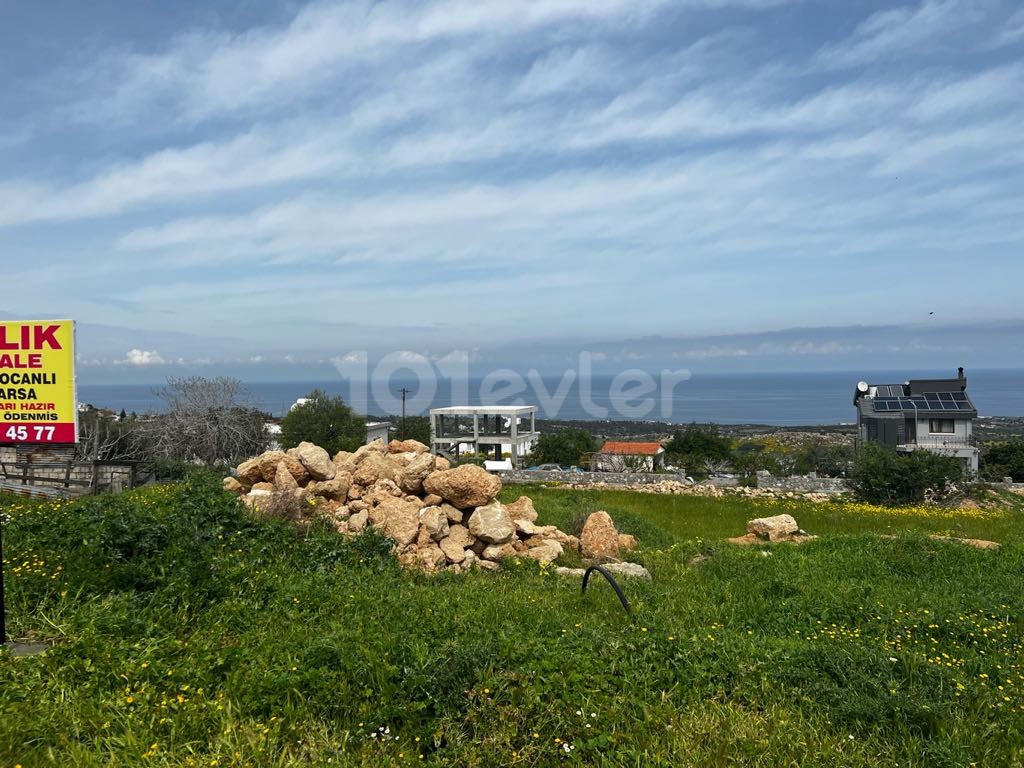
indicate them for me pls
(696, 445)
(569, 446)
(324, 420)
(825, 460)
(1004, 459)
(883, 476)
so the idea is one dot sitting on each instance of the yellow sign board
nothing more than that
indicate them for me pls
(37, 382)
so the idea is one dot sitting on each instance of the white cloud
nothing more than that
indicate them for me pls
(142, 357)
(902, 31)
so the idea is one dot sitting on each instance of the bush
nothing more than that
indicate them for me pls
(571, 446)
(698, 447)
(324, 420)
(1004, 459)
(882, 476)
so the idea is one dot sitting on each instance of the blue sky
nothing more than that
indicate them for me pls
(754, 184)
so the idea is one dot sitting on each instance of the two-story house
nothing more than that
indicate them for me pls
(921, 414)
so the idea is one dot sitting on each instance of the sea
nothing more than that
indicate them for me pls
(779, 399)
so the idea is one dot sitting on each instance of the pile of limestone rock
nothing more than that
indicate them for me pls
(438, 516)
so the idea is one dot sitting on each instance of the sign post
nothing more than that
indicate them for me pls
(37, 394)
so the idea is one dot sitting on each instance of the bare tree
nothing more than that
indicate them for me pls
(716, 466)
(205, 420)
(104, 438)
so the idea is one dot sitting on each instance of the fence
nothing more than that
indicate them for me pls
(588, 478)
(53, 471)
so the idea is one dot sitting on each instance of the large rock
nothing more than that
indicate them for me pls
(465, 486)
(599, 539)
(268, 462)
(627, 542)
(295, 466)
(435, 522)
(283, 480)
(634, 570)
(452, 550)
(490, 523)
(233, 486)
(357, 522)
(460, 536)
(547, 552)
(249, 472)
(431, 557)
(522, 509)
(441, 463)
(401, 521)
(776, 528)
(377, 446)
(411, 477)
(371, 468)
(316, 461)
(335, 488)
(496, 552)
(407, 446)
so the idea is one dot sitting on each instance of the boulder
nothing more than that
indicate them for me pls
(627, 542)
(431, 557)
(267, 487)
(357, 522)
(372, 468)
(401, 521)
(335, 488)
(283, 480)
(316, 461)
(295, 466)
(498, 551)
(434, 522)
(524, 527)
(377, 447)
(599, 539)
(249, 472)
(776, 528)
(522, 509)
(491, 523)
(343, 461)
(633, 570)
(407, 446)
(233, 486)
(452, 550)
(547, 552)
(432, 500)
(460, 536)
(268, 462)
(465, 486)
(454, 515)
(441, 463)
(411, 477)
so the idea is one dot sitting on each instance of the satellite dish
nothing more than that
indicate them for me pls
(862, 386)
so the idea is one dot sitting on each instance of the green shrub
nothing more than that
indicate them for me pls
(1004, 459)
(883, 476)
(325, 421)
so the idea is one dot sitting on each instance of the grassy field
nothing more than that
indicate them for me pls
(188, 634)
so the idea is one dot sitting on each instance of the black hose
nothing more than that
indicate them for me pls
(618, 591)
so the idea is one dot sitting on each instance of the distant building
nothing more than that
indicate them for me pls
(378, 430)
(484, 429)
(616, 456)
(921, 414)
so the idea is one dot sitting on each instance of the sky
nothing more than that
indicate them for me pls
(263, 188)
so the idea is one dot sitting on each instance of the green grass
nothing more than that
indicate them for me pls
(189, 634)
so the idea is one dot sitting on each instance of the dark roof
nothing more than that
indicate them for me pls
(926, 397)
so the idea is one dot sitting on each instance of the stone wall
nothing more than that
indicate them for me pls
(801, 483)
(587, 478)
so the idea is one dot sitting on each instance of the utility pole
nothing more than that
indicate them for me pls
(405, 391)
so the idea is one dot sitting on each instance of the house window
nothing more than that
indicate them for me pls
(941, 426)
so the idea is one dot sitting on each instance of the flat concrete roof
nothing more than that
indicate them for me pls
(490, 410)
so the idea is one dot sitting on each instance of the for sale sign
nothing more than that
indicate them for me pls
(37, 382)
